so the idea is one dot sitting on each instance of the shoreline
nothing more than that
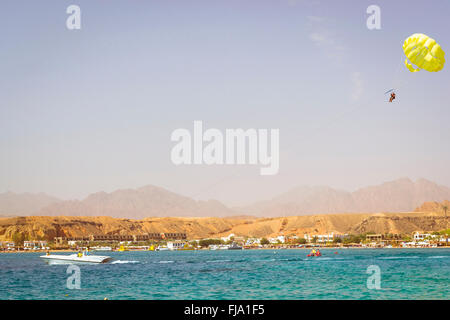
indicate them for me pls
(321, 248)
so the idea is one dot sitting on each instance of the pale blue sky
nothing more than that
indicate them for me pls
(93, 109)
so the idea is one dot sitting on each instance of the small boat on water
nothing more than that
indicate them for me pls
(75, 258)
(314, 255)
(234, 246)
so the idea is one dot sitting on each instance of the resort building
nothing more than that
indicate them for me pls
(34, 245)
(239, 239)
(292, 238)
(321, 238)
(174, 236)
(374, 237)
(121, 238)
(72, 243)
(228, 238)
(324, 238)
(7, 245)
(279, 239)
(176, 245)
(252, 241)
(418, 236)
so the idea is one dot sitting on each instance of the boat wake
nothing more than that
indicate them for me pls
(394, 258)
(215, 261)
(123, 261)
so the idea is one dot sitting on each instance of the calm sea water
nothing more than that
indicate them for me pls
(247, 274)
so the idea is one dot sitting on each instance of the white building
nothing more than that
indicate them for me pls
(8, 245)
(279, 239)
(72, 243)
(417, 236)
(34, 245)
(321, 238)
(176, 245)
(228, 238)
(251, 241)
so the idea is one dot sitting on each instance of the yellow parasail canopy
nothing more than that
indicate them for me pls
(423, 52)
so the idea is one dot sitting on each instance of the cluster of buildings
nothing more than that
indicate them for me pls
(425, 240)
(27, 245)
(91, 239)
(418, 239)
(120, 239)
(178, 241)
(324, 238)
(7, 245)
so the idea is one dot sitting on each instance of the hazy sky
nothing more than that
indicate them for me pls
(93, 109)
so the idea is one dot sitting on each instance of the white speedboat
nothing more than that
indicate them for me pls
(74, 258)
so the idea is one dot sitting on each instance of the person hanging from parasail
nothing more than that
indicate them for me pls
(392, 98)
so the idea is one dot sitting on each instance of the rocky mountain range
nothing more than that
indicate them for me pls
(24, 204)
(402, 195)
(148, 201)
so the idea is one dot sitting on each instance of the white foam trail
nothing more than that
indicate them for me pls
(438, 257)
(392, 258)
(123, 261)
(166, 261)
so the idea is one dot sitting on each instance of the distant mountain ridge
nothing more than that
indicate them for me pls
(148, 201)
(12, 204)
(402, 195)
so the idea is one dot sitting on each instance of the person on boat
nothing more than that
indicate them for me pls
(313, 252)
(318, 253)
(79, 254)
(392, 98)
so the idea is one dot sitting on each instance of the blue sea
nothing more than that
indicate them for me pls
(228, 274)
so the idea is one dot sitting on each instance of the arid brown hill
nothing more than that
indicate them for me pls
(196, 228)
(434, 206)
